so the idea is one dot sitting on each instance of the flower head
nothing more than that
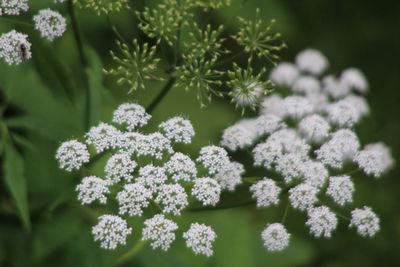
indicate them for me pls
(314, 128)
(366, 221)
(152, 177)
(231, 176)
(50, 24)
(200, 238)
(341, 189)
(284, 74)
(321, 221)
(275, 237)
(133, 199)
(213, 158)
(120, 166)
(303, 196)
(103, 136)
(180, 167)
(355, 79)
(240, 135)
(374, 159)
(160, 231)
(207, 191)
(71, 155)
(266, 192)
(312, 61)
(178, 130)
(173, 198)
(13, 7)
(111, 231)
(92, 188)
(132, 115)
(15, 47)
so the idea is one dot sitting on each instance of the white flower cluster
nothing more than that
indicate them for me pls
(144, 175)
(306, 137)
(15, 47)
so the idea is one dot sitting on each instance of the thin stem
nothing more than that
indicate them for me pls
(115, 30)
(15, 21)
(229, 59)
(167, 87)
(352, 172)
(131, 253)
(222, 207)
(285, 213)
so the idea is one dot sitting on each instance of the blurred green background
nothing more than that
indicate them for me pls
(34, 96)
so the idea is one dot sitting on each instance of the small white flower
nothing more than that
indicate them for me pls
(50, 24)
(343, 113)
(335, 87)
(103, 136)
(160, 231)
(366, 221)
(178, 130)
(213, 158)
(272, 104)
(303, 196)
(15, 47)
(355, 79)
(318, 100)
(266, 192)
(374, 159)
(200, 238)
(342, 146)
(306, 85)
(71, 155)
(132, 115)
(133, 199)
(152, 177)
(312, 61)
(133, 142)
(275, 237)
(341, 189)
(207, 191)
(247, 95)
(92, 188)
(111, 231)
(268, 123)
(120, 166)
(321, 221)
(290, 142)
(266, 154)
(155, 145)
(13, 7)
(314, 173)
(180, 167)
(231, 176)
(290, 166)
(296, 107)
(314, 128)
(173, 198)
(240, 135)
(284, 74)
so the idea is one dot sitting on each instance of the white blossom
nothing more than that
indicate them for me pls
(341, 189)
(290, 166)
(366, 221)
(160, 231)
(321, 221)
(266, 154)
(343, 113)
(103, 136)
(303, 196)
(173, 198)
(180, 167)
(13, 7)
(207, 191)
(275, 237)
(132, 115)
(318, 100)
(247, 95)
(284, 74)
(71, 155)
(111, 231)
(120, 166)
(266, 192)
(306, 85)
(312, 61)
(15, 47)
(342, 146)
(335, 87)
(155, 145)
(231, 176)
(314, 128)
(296, 107)
(355, 79)
(50, 24)
(213, 158)
(133, 199)
(152, 177)
(133, 142)
(374, 159)
(314, 173)
(267, 124)
(178, 130)
(240, 135)
(272, 104)
(92, 188)
(200, 238)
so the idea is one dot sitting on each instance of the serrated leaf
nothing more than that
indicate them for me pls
(13, 168)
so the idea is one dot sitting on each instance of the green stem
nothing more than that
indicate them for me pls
(352, 172)
(222, 207)
(115, 30)
(229, 59)
(131, 253)
(285, 213)
(167, 87)
(15, 21)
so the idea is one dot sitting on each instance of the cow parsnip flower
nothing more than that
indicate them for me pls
(160, 231)
(200, 238)
(50, 24)
(15, 47)
(366, 221)
(71, 155)
(111, 231)
(275, 237)
(13, 7)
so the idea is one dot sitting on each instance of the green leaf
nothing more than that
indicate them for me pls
(13, 167)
